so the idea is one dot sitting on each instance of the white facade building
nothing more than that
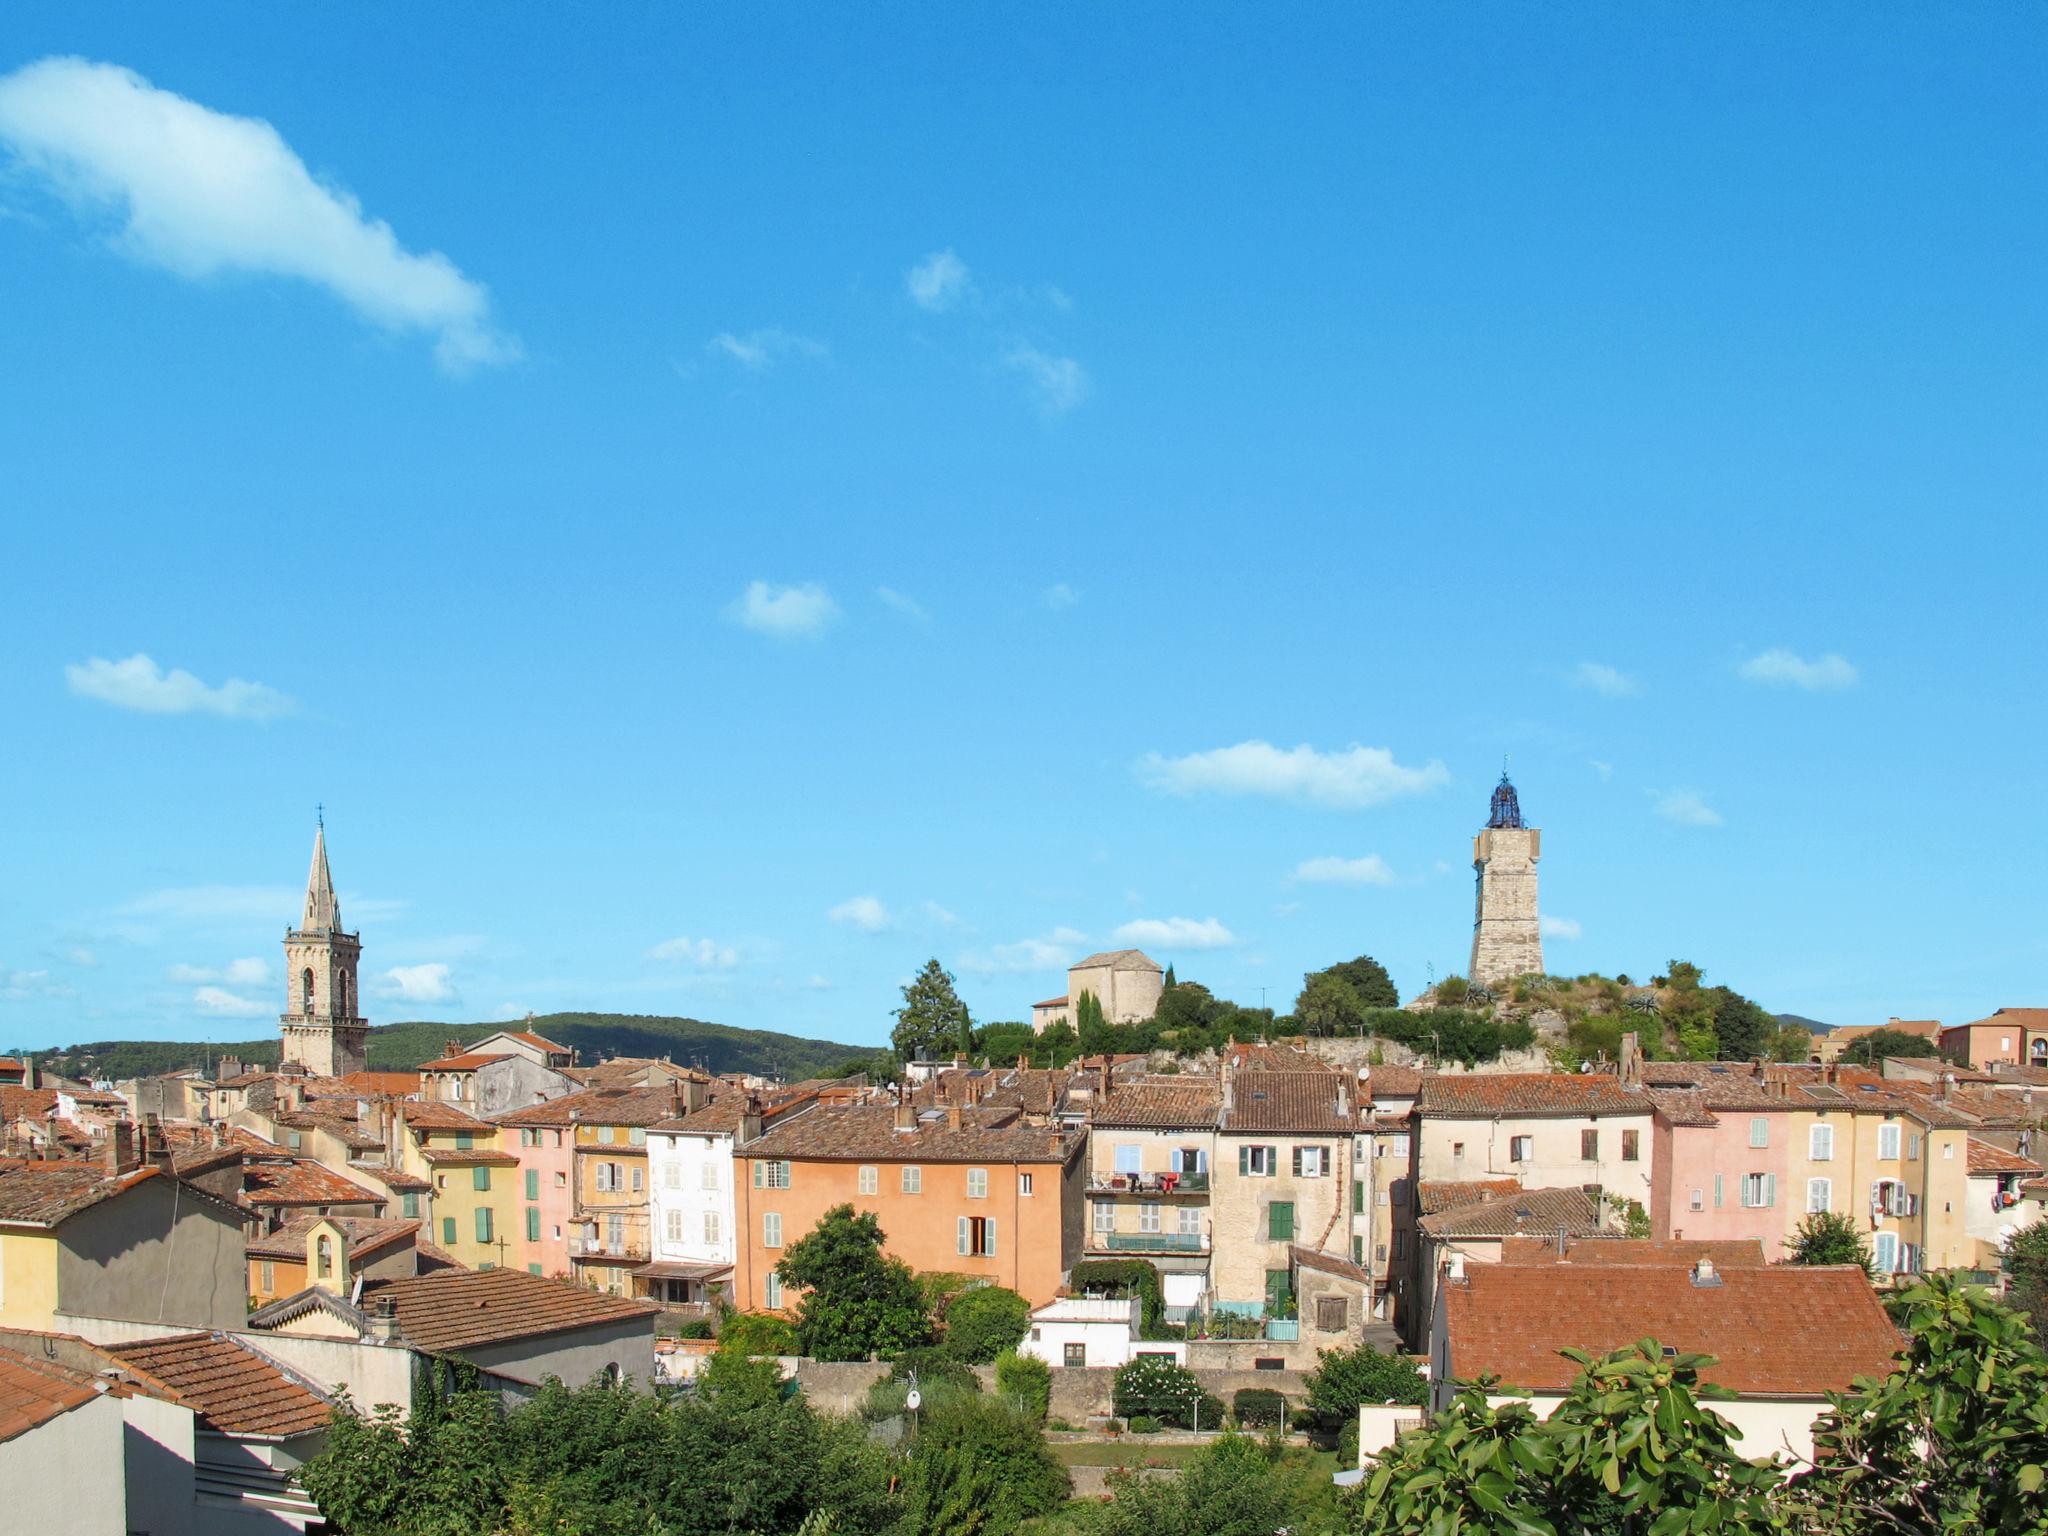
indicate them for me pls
(1086, 1331)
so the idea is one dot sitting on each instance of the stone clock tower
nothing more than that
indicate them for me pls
(1507, 933)
(322, 1031)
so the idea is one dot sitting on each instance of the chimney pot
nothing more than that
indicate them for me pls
(1703, 1272)
(953, 1117)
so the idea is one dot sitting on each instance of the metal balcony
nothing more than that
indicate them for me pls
(1150, 1242)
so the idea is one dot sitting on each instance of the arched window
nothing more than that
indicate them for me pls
(324, 1257)
(306, 990)
(2037, 1048)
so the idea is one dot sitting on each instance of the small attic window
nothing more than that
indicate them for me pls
(1670, 1353)
(1258, 1093)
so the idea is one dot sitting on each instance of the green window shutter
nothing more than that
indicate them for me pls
(447, 1231)
(464, 1141)
(483, 1223)
(1297, 1162)
(1280, 1221)
(533, 1183)
(412, 1205)
(533, 1269)
(533, 1223)
(480, 1178)
(1244, 1160)
(1770, 1189)
(758, 1175)
(1357, 1196)
(960, 1234)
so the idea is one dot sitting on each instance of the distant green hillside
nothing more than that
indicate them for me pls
(715, 1047)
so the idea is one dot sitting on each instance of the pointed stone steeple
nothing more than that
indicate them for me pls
(323, 912)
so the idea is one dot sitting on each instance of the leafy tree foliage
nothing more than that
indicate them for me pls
(1344, 1378)
(1329, 1005)
(1450, 1034)
(1829, 1237)
(2026, 1257)
(1369, 979)
(1229, 1488)
(1057, 1046)
(1155, 1387)
(933, 1022)
(1025, 1383)
(1121, 1277)
(984, 1322)
(1091, 1027)
(1880, 1043)
(977, 1468)
(757, 1333)
(857, 1301)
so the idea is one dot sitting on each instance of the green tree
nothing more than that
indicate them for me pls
(1742, 1028)
(1058, 1045)
(1025, 1383)
(1344, 1378)
(1155, 1387)
(857, 1302)
(977, 1468)
(1828, 1237)
(1228, 1488)
(933, 1022)
(757, 1333)
(1329, 1005)
(984, 1322)
(1091, 1027)
(2026, 1260)
(1880, 1043)
(1369, 979)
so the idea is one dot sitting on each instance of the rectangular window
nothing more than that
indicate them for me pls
(870, 1181)
(1269, 1363)
(464, 1141)
(1884, 1252)
(1698, 1201)
(269, 1277)
(604, 1134)
(913, 1181)
(447, 1231)
(1023, 1183)
(708, 1176)
(1521, 1148)
(712, 1233)
(533, 1223)
(1631, 1146)
(976, 1236)
(671, 1175)
(1819, 1193)
(483, 1224)
(1332, 1314)
(1257, 1162)
(533, 1183)
(1358, 1197)
(1820, 1144)
(637, 1136)
(1888, 1142)
(771, 1175)
(1717, 1191)
(533, 1269)
(1105, 1216)
(1130, 1158)
(1759, 1130)
(561, 1179)
(1913, 1148)
(1589, 1146)
(1191, 1221)
(639, 1178)
(771, 1229)
(1280, 1222)
(411, 1204)
(1458, 1149)
(1148, 1216)
(977, 1183)
(672, 1226)
(480, 1178)
(1075, 1355)
(1311, 1162)
(1759, 1190)
(771, 1290)
(603, 1176)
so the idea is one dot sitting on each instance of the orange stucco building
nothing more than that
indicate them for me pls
(974, 1191)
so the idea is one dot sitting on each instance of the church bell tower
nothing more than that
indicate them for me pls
(322, 1031)
(1507, 933)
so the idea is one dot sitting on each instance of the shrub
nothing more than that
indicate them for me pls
(1451, 990)
(975, 1467)
(1121, 1277)
(757, 1333)
(983, 1322)
(1156, 1387)
(1258, 1407)
(694, 1328)
(1144, 1424)
(934, 1367)
(1344, 1378)
(1024, 1381)
(1347, 1443)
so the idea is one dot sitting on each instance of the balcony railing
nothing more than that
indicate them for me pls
(1151, 1242)
(1148, 1186)
(631, 1250)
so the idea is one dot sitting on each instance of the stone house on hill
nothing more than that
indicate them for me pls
(1128, 984)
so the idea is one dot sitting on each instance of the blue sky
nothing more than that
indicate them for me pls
(720, 508)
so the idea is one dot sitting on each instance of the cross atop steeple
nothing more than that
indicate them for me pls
(323, 912)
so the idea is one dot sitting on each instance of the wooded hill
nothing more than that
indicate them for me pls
(715, 1047)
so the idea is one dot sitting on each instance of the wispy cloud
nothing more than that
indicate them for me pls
(939, 282)
(1781, 668)
(788, 613)
(416, 984)
(904, 604)
(1054, 952)
(1686, 807)
(1057, 384)
(18, 984)
(1604, 769)
(1370, 870)
(863, 912)
(1351, 779)
(1060, 597)
(201, 193)
(1177, 933)
(702, 954)
(219, 1003)
(759, 351)
(1559, 927)
(208, 902)
(1608, 682)
(140, 684)
(236, 973)
(940, 915)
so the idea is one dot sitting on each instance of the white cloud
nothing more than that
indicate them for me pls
(1057, 383)
(904, 604)
(416, 984)
(704, 954)
(1370, 870)
(1560, 927)
(759, 351)
(788, 613)
(1054, 952)
(27, 984)
(1687, 808)
(1609, 682)
(1605, 770)
(82, 956)
(863, 912)
(200, 193)
(1352, 779)
(236, 973)
(940, 915)
(1781, 668)
(819, 984)
(1178, 933)
(140, 684)
(223, 1004)
(1060, 596)
(938, 282)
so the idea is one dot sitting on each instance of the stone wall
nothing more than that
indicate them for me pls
(834, 1386)
(1081, 1394)
(1506, 938)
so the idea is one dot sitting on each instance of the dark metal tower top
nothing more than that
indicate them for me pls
(1506, 810)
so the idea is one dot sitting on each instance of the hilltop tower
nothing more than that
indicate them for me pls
(322, 1031)
(1507, 936)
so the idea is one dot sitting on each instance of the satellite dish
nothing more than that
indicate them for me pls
(913, 1400)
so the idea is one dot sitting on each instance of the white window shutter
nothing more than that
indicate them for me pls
(960, 1234)
(989, 1231)
(1770, 1189)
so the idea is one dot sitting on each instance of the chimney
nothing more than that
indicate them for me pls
(1631, 1067)
(384, 1321)
(220, 1133)
(118, 1156)
(1343, 1100)
(1703, 1272)
(28, 1072)
(451, 1047)
(156, 1150)
(1023, 1062)
(750, 1118)
(1457, 1269)
(953, 1117)
(906, 1115)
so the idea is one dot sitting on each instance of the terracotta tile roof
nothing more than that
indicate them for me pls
(1433, 1195)
(721, 1117)
(457, 1309)
(467, 1061)
(1989, 1158)
(1291, 1101)
(1328, 1263)
(2018, 1076)
(1117, 960)
(34, 1103)
(298, 1181)
(392, 1178)
(539, 1042)
(1051, 1002)
(1482, 1095)
(236, 1390)
(33, 1392)
(366, 1235)
(1391, 1082)
(2013, 1018)
(42, 1194)
(1775, 1330)
(1533, 1211)
(1727, 1253)
(363, 1085)
(1165, 1102)
(618, 1106)
(469, 1157)
(1035, 1090)
(1393, 1124)
(867, 1133)
(1258, 1056)
(430, 1115)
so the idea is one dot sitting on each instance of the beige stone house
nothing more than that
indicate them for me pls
(1283, 1179)
(1127, 982)
(1151, 1148)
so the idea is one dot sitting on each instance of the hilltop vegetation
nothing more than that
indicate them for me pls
(715, 1047)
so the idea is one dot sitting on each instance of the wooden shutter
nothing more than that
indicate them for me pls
(1297, 1162)
(989, 1232)
(1244, 1160)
